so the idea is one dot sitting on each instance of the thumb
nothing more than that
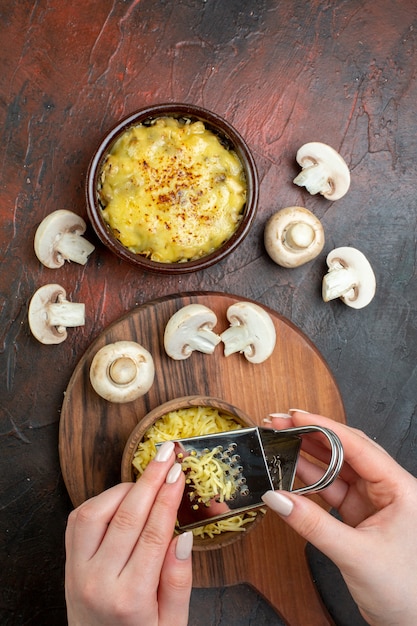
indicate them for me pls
(331, 536)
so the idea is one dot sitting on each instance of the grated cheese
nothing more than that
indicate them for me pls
(210, 476)
(205, 471)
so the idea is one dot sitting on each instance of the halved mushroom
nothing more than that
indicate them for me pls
(189, 329)
(251, 332)
(50, 314)
(58, 239)
(350, 278)
(324, 170)
(122, 371)
(293, 236)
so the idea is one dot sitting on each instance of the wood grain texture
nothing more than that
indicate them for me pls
(93, 434)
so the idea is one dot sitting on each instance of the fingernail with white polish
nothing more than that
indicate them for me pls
(298, 411)
(278, 503)
(165, 451)
(184, 546)
(282, 415)
(173, 474)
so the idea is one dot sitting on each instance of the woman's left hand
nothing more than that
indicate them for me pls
(123, 565)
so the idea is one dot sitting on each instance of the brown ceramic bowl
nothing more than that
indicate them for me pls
(128, 473)
(228, 136)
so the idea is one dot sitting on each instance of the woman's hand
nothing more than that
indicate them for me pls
(123, 564)
(375, 547)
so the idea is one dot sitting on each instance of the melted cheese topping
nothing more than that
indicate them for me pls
(171, 191)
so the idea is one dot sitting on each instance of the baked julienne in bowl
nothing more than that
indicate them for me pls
(172, 188)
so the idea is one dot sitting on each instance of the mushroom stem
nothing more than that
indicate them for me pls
(339, 281)
(204, 341)
(299, 235)
(122, 370)
(237, 339)
(315, 179)
(73, 247)
(65, 314)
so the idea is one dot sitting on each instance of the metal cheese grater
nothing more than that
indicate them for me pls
(253, 460)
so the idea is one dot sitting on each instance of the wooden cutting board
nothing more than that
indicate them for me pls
(93, 433)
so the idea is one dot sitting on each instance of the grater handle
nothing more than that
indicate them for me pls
(336, 458)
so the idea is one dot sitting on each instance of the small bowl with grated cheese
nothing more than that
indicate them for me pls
(182, 418)
(172, 188)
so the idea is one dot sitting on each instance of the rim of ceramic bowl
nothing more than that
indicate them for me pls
(220, 127)
(127, 473)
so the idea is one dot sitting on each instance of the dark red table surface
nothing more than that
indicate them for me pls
(283, 73)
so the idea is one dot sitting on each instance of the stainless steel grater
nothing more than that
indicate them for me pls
(252, 461)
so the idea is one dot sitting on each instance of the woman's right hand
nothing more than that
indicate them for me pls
(375, 546)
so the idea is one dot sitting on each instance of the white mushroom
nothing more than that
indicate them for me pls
(189, 329)
(58, 239)
(293, 236)
(50, 314)
(350, 277)
(324, 170)
(251, 332)
(122, 371)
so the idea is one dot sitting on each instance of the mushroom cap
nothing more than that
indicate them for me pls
(122, 371)
(338, 174)
(189, 329)
(38, 314)
(51, 230)
(356, 262)
(293, 236)
(251, 331)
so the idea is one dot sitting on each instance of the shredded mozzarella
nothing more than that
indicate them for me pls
(205, 472)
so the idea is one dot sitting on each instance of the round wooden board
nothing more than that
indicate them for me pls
(93, 433)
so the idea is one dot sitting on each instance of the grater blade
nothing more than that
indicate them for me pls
(249, 461)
